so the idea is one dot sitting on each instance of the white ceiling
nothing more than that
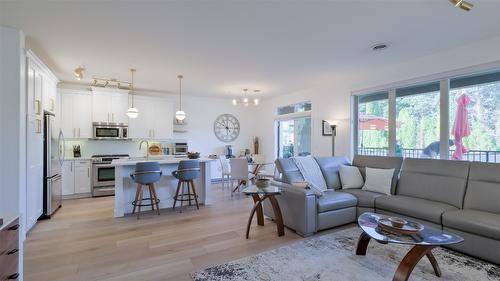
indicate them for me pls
(223, 46)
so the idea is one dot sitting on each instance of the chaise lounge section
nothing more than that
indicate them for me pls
(457, 196)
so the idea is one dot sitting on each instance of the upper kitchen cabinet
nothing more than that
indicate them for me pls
(76, 114)
(154, 120)
(109, 106)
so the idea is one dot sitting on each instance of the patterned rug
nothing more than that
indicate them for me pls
(331, 257)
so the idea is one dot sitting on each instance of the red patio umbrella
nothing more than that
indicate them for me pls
(461, 127)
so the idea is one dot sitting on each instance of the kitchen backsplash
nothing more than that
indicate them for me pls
(92, 147)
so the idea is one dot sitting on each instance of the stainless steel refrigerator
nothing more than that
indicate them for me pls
(53, 154)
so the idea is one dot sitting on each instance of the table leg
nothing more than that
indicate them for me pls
(434, 263)
(363, 241)
(255, 207)
(278, 218)
(411, 259)
(260, 213)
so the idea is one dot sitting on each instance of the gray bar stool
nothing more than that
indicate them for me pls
(146, 174)
(187, 171)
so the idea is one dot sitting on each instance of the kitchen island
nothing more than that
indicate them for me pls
(125, 187)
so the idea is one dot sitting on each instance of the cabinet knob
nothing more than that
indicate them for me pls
(14, 227)
(13, 252)
(13, 276)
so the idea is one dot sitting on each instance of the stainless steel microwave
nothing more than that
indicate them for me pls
(109, 131)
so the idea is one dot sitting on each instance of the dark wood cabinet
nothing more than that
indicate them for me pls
(9, 251)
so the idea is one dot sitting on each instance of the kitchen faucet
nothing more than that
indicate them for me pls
(147, 148)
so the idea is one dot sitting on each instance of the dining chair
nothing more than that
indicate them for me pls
(239, 172)
(226, 170)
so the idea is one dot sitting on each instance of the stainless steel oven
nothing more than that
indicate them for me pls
(111, 131)
(103, 174)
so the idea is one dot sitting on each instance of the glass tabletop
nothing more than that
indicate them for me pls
(253, 189)
(428, 236)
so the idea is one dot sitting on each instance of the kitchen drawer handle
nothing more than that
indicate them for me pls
(13, 276)
(13, 252)
(14, 227)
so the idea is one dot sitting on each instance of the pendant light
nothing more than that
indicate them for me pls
(132, 112)
(180, 115)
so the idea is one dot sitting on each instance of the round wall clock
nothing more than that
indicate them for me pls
(226, 127)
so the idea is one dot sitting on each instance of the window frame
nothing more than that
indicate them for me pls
(446, 83)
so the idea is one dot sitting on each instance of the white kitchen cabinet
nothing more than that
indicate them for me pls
(76, 117)
(49, 94)
(109, 107)
(154, 120)
(68, 178)
(82, 176)
(76, 177)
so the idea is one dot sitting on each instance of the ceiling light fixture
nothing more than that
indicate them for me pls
(180, 115)
(462, 4)
(132, 112)
(78, 72)
(246, 101)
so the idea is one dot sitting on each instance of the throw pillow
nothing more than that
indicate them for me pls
(350, 177)
(378, 180)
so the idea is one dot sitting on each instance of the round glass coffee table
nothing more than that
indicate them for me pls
(259, 195)
(423, 243)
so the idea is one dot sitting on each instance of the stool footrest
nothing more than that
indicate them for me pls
(136, 203)
(185, 197)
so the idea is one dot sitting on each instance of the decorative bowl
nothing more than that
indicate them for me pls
(262, 183)
(397, 222)
(193, 155)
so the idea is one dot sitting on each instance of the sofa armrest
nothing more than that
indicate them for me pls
(298, 207)
(294, 188)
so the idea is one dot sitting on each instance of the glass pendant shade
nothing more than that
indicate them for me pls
(256, 101)
(180, 115)
(132, 112)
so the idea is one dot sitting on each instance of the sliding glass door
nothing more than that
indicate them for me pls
(294, 137)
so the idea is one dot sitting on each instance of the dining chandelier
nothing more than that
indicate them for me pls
(245, 101)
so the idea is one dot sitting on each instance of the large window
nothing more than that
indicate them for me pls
(294, 130)
(417, 121)
(373, 133)
(412, 122)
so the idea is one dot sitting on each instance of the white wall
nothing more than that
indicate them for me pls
(331, 97)
(13, 128)
(201, 113)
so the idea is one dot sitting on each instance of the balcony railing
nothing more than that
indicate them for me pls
(472, 155)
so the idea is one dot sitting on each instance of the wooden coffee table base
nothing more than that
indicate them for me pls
(278, 218)
(409, 261)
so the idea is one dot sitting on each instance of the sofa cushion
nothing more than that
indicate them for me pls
(438, 180)
(330, 168)
(350, 177)
(333, 200)
(289, 171)
(483, 187)
(365, 198)
(378, 180)
(475, 222)
(381, 162)
(413, 207)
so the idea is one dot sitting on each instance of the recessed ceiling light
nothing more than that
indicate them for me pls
(379, 47)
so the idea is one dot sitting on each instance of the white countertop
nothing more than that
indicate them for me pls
(161, 160)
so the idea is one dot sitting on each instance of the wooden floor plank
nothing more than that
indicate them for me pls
(84, 242)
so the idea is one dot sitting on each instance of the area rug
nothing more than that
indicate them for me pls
(331, 257)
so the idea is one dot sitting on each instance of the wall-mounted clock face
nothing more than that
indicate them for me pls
(226, 127)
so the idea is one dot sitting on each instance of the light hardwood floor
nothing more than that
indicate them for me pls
(84, 242)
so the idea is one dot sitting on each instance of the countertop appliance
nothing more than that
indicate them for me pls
(53, 154)
(109, 131)
(180, 148)
(103, 174)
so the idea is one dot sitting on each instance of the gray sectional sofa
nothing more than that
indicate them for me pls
(461, 197)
